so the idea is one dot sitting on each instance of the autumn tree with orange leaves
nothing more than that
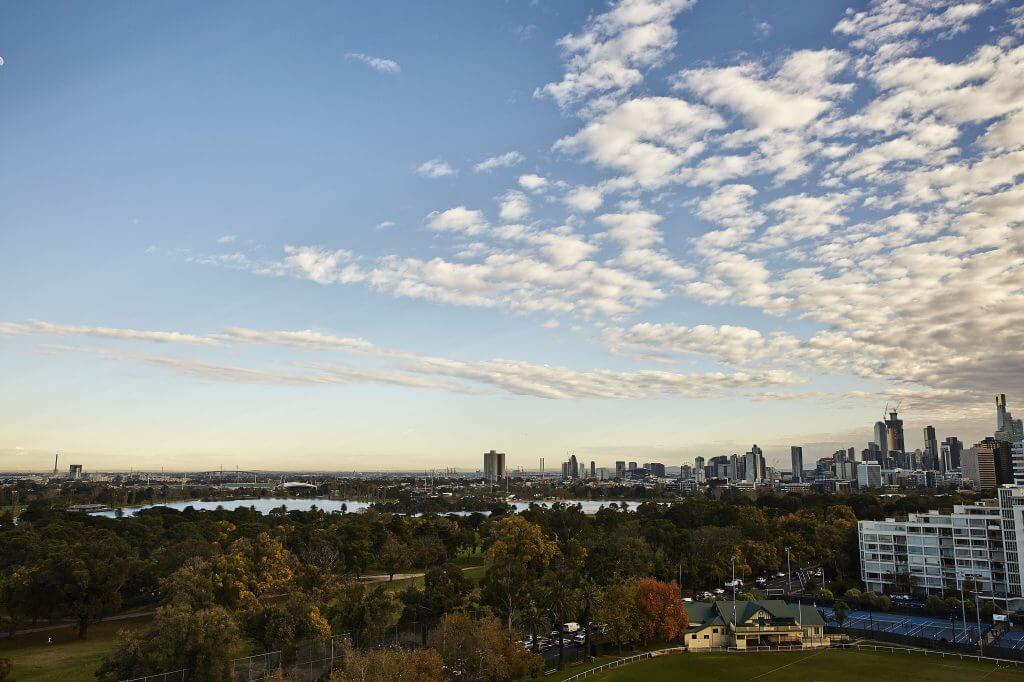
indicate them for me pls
(661, 609)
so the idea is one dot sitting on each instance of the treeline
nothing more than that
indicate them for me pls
(279, 579)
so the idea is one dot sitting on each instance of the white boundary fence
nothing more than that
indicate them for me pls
(931, 652)
(619, 662)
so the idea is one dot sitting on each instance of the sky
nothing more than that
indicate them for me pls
(393, 235)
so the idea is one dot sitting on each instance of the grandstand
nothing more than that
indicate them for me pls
(910, 626)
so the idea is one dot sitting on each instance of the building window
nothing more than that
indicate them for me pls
(705, 636)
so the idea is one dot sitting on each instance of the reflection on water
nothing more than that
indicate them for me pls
(264, 505)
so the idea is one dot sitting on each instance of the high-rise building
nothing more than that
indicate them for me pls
(979, 464)
(593, 469)
(632, 466)
(494, 465)
(754, 465)
(574, 467)
(796, 456)
(75, 472)
(881, 439)
(950, 452)
(869, 475)
(656, 469)
(620, 470)
(734, 467)
(1008, 429)
(1017, 456)
(871, 453)
(931, 448)
(698, 469)
(894, 433)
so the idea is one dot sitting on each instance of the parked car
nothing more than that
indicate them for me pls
(719, 590)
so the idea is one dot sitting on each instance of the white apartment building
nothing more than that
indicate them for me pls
(941, 550)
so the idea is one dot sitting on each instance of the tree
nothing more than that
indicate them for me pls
(16, 595)
(841, 610)
(6, 667)
(619, 614)
(390, 665)
(480, 649)
(280, 626)
(518, 554)
(561, 599)
(590, 596)
(366, 614)
(535, 619)
(394, 556)
(88, 576)
(201, 642)
(934, 606)
(660, 605)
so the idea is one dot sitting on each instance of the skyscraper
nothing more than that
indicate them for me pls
(881, 439)
(894, 433)
(979, 464)
(1008, 429)
(931, 448)
(593, 469)
(796, 454)
(574, 467)
(494, 465)
(952, 448)
(755, 465)
(620, 470)
(698, 469)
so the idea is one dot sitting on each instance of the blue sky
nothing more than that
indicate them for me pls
(393, 236)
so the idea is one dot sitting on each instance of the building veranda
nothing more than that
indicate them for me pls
(749, 624)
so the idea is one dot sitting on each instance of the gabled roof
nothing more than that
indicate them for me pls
(721, 612)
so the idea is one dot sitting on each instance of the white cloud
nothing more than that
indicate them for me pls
(322, 266)
(385, 224)
(584, 199)
(435, 168)
(532, 183)
(608, 56)
(226, 239)
(501, 161)
(733, 344)
(648, 138)
(458, 219)
(376, 63)
(514, 206)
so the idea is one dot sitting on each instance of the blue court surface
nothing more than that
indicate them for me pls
(1011, 639)
(913, 626)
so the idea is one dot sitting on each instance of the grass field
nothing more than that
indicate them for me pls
(67, 659)
(826, 665)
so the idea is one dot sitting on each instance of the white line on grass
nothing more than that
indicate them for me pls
(799, 660)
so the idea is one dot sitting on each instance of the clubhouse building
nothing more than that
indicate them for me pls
(770, 622)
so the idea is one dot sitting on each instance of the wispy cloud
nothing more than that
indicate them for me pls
(501, 161)
(435, 168)
(377, 63)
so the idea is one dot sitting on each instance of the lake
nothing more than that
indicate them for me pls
(266, 504)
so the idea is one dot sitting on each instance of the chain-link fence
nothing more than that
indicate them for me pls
(175, 676)
(306, 663)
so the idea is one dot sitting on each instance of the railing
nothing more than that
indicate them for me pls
(174, 676)
(619, 662)
(929, 652)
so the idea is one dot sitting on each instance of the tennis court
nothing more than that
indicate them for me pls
(911, 626)
(1012, 640)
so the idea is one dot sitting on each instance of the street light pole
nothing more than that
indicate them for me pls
(733, 562)
(977, 612)
(789, 574)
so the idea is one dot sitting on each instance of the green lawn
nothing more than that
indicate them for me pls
(826, 665)
(67, 659)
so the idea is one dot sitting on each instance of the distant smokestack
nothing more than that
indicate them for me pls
(55, 458)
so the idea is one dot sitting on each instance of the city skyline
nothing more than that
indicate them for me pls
(393, 237)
